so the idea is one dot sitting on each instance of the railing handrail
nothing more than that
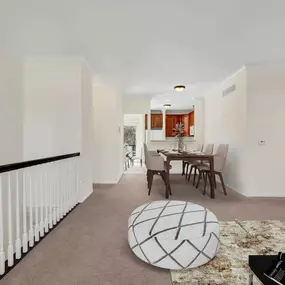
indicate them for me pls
(29, 163)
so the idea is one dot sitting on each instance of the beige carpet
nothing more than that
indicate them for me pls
(90, 246)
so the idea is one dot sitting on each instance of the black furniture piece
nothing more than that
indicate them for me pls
(258, 265)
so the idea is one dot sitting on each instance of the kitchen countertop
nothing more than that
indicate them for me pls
(170, 139)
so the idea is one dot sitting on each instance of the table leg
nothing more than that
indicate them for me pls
(183, 167)
(167, 187)
(212, 177)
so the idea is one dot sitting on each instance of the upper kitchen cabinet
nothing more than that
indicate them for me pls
(156, 121)
(191, 119)
(185, 121)
(171, 121)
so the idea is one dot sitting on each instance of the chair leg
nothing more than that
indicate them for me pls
(162, 174)
(183, 167)
(222, 182)
(205, 183)
(187, 168)
(195, 173)
(199, 178)
(189, 175)
(215, 181)
(150, 179)
(164, 178)
(141, 162)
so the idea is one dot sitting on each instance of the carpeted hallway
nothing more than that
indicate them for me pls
(90, 246)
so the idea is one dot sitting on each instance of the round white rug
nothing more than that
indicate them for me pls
(174, 234)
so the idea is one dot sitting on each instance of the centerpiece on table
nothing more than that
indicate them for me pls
(179, 133)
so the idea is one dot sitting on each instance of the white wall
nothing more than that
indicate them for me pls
(199, 116)
(109, 130)
(136, 105)
(58, 112)
(52, 107)
(11, 128)
(265, 120)
(87, 133)
(11, 105)
(225, 122)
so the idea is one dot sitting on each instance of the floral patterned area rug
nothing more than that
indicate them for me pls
(239, 239)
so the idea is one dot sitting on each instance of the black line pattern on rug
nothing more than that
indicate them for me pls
(157, 218)
(199, 251)
(163, 216)
(170, 206)
(169, 254)
(172, 228)
(180, 221)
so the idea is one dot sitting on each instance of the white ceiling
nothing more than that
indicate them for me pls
(146, 47)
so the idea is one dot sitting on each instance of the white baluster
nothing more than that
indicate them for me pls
(2, 253)
(57, 192)
(60, 189)
(31, 230)
(64, 186)
(50, 196)
(18, 239)
(74, 181)
(36, 195)
(54, 192)
(71, 183)
(68, 184)
(25, 235)
(77, 180)
(42, 225)
(10, 225)
(46, 195)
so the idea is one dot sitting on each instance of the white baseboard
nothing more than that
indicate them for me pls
(81, 200)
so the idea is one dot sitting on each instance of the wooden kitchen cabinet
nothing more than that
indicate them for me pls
(171, 121)
(191, 119)
(185, 121)
(156, 121)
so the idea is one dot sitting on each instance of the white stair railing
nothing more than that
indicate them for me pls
(34, 197)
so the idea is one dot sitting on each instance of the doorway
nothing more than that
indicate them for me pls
(134, 138)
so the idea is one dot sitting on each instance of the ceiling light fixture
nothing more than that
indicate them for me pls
(179, 88)
(166, 106)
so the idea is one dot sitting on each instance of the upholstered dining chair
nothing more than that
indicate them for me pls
(134, 158)
(155, 165)
(186, 164)
(220, 159)
(207, 150)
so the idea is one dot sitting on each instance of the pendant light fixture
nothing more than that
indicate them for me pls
(179, 88)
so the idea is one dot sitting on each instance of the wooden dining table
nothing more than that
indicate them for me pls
(190, 157)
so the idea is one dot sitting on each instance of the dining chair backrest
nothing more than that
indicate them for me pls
(146, 155)
(199, 147)
(153, 162)
(220, 157)
(209, 148)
